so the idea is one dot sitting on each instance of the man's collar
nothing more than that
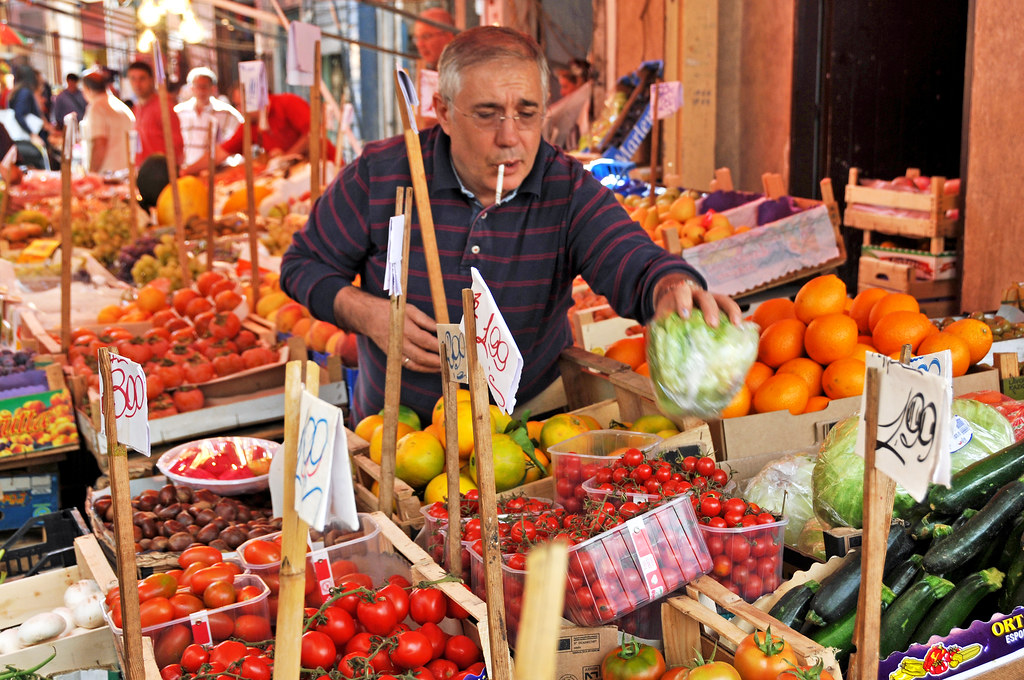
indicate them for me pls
(444, 168)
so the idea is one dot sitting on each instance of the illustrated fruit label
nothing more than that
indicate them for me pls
(644, 553)
(322, 571)
(200, 624)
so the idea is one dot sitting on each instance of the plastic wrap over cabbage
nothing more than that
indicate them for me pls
(785, 480)
(697, 369)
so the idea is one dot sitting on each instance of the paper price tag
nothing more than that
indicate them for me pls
(252, 75)
(131, 406)
(912, 443)
(409, 98)
(670, 97)
(427, 88)
(70, 134)
(323, 476)
(200, 624)
(498, 353)
(645, 558)
(39, 250)
(158, 64)
(455, 343)
(939, 363)
(393, 270)
(322, 571)
(301, 54)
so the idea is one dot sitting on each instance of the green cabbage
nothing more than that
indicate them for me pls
(838, 478)
(785, 480)
(697, 369)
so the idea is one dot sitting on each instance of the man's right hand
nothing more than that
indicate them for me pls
(358, 311)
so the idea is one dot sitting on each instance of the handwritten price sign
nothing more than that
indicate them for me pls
(323, 478)
(131, 407)
(496, 348)
(455, 351)
(253, 77)
(912, 443)
(396, 242)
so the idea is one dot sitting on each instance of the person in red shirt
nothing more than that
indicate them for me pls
(287, 132)
(148, 116)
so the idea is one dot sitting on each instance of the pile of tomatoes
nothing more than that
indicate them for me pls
(223, 458)
(635, 477)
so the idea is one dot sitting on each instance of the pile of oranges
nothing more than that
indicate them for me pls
(812, 348)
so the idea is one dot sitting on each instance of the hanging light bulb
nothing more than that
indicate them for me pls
(189, 29)
(146, 40)
(150, 13)
(176, 6)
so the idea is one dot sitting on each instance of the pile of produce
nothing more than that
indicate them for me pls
(104, 229)
(82, 610)
(164, 264)
(24, 226)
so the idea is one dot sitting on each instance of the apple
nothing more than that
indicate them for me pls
(318, 334)
(287, 315)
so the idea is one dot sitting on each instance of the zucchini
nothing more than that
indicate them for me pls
(902, 618)
(838, 592)
(953, 611)
(1012, 546)
(839, 634)
(922, 528)
(1014, 577)
(902, 575)
(975, 484)
(792, 607)
(968, 540)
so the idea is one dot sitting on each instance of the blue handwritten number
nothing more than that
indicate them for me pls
(311, 458)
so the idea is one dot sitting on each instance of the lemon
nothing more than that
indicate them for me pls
(652, 424)
(407, 416)
(560, 427)
(418, 459)
(437, 489)
(377, 439)
(499, 419)
(509, 463)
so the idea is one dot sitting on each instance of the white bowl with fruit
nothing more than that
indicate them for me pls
(229, 466)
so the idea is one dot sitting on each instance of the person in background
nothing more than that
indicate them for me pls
(287, 133)
(569, 118)
(106, 126)
(35, 129)
(552, 222)
(148, 117)
(197, 113)
(430, 41)
(71, 100)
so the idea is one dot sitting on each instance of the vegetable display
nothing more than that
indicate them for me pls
(633, 661)
(82, 610)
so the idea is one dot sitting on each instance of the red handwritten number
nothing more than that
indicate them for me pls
(495, 348)
(129, 392)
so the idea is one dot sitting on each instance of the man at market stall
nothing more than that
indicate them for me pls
(149, 116)
(70, 100)
(553, 222)
(430, 41)
(106, 125)
(197, 113)
(287, 133)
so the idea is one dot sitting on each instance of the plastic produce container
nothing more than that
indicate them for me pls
(431, 523)
(210, 625)
(578, 458)
(747, 560)
(328, 565)
(224, 487)
(616, 497)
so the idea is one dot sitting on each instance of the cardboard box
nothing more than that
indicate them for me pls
(925, 266)
(581, 651)
(36, 422)
(781, 432)
(23, 497)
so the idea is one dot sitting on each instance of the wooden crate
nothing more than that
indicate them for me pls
(932, 224)
(937, 298)
(366, 473)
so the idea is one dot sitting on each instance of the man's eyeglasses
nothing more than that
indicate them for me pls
(492, 120)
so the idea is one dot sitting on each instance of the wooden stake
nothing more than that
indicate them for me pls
(134, 209)
(340, 144)
(315, 123)
(172, 175)
(211, 232)
(499, 667)
(449, 392)
(395, 364)
(117, 459)
(543, 597)
(654, 136)
(250, 207)
(294, 531)
(419, 185)
(66, 246)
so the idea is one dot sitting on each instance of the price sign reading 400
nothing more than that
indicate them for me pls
(496, 348)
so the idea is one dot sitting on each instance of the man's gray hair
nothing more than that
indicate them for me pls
(200, 71)
(477, 45)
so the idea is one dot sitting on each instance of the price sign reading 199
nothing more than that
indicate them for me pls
(490, 337)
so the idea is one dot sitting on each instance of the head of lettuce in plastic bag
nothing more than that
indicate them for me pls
(697, 369)
(838, 479)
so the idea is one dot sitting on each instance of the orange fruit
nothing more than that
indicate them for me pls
(366, 426)
(630, 350)
(957, 346)
(151, 299)
(377, 440)
(786, 392)
(807, 369)
(770, 311)
(780, 342)
(830, 337)
(818, 403)
(757, 374)
(901, 328)
(644, 369)
(740, 404)
(862, 304)
(820, 296)
(560, 427)
(893, 302)
(419, 458)
(861, 349)
(110, 314)
(843, 378)
(976, 334)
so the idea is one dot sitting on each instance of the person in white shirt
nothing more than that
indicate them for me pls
(108, 120)
(196, 114)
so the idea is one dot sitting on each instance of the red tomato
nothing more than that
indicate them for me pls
(806, 672)
(318, 651)
(399, 599)
(219, 594)
(203, 554)
(437, 638)
(710, 506)
(170, 643)
(252, 628)
(184, 604)
(227, 652)
(632, 457)
(351, 665)
(762, 656)
(427, 605)
(443, 669)
(461, 650)
(255, 668)
(722, 566)
(193, 657)
(188, 399)
(171, 672)
(413, 649)
(221, 625)
(454, 609)
(339, 626)
(705, 466)
(155, 611)
(204, 577)
(262, 552)
(377, 616)
(225, 325)
(157, 585)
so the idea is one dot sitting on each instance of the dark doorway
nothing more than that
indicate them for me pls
(878, 85)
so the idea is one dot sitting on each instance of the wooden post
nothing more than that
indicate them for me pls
(395, 364)
(66, 243)
(340, 145)
(211, 232)
(172, 175)
(315, 123)
(6, 198)
(453, 475)
(499, 666)
(117, 459)
(250, 207)
(294, 531)
(134, 209)
(543, 597)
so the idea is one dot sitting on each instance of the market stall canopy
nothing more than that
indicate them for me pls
(10, 37)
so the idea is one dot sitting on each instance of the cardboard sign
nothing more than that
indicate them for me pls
(393, 269)
(636, 136)
(35, 422)
(670, 97)
(323, 476)
(455, 342)
(38, 250)
(302, 39)
(499, 355)
(131, 405)
(252, 75)
(912, 444)
(409, 97)
(427, 88)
